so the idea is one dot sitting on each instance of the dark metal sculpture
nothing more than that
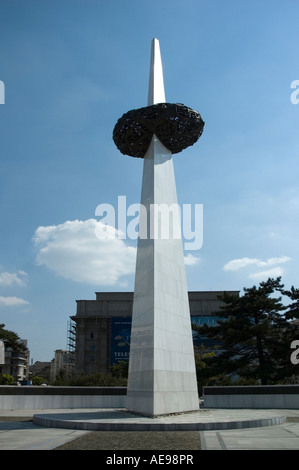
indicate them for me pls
(175, 125)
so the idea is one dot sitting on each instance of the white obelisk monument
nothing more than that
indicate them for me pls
(162, 377)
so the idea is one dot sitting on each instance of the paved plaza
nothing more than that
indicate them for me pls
(25, 435)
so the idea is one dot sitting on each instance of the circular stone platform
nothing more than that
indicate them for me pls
(122, 420)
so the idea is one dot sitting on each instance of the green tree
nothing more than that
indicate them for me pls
(120, 369)
(98, 379)
(202, 359)
(254, 334)
(293, 308)
(6, 379)
(37, 380)
(11, 339)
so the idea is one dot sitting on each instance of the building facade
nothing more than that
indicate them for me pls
(40, 369)
(103, 327)
(16, 364)
(61, 365)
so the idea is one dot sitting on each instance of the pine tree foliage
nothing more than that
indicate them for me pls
(254, 333)
(11, 339)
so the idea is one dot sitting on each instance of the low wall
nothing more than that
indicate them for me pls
(256, 396)
(33, 397)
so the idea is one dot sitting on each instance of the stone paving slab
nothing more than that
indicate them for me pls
(27, 436)
(280, 437)
(284, 436)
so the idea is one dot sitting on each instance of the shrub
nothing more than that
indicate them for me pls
(6, 379)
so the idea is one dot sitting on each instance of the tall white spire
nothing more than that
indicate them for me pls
(156, 92)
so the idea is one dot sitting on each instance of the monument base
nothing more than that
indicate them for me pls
(166, 399)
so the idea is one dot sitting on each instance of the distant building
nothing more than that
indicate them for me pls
(103, 327)
(62, 365)
(16, 363)
(41, 369)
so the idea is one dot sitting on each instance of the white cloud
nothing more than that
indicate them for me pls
(88, 251)
(12, 301)
(275, 271)
(236, 264)
(191, 260)
(77, 250)
(7, 279)
(264, 275)
(273, 261)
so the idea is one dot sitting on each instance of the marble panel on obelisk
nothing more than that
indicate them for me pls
(162, 376)
(2, 352)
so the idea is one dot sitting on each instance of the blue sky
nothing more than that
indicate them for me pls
(71, 68)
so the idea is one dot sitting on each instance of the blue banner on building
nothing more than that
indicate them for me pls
(120, 339)
(121, 336)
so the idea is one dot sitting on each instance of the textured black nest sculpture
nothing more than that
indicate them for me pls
(175, 125)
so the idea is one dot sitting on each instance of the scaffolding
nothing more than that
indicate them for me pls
(71, 343)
